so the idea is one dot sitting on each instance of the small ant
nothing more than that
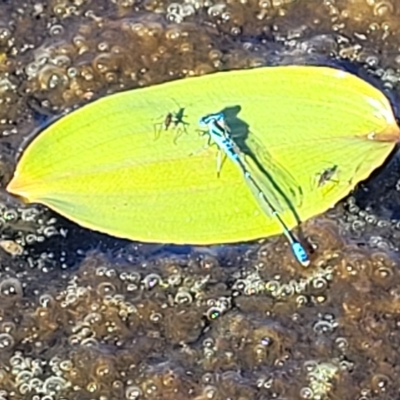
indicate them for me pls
(322, 178)
(173, 120)
(327, 174)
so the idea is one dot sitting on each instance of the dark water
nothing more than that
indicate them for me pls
(87, 316)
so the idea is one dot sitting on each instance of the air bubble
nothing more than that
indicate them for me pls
(286, 290)
(103, 370)
(66, 365)
(133, 393)
(91, 387)
(323, 327)
(319, 283)
(111, 77)
(79, 41)
(5, 35)
(17, 361)
(306, 393)
(24, 388)
(54, 384)
(51, 77)
(50, 231)
(72, 72)
(187, 10)
(93, 318)
(383, 223)
(173, 34)
(45, 300)
(101, 271)
(216, 10)
(8, 327)
(183, 297)
(342, 343)
(105, 62)
(358, 225)
(133, 277)
(383, 9)
(90, 342)
(6, 341)
(266, 341)
(213, 313)
(111, 273)
(371, 219)
(174, 8)
(210, 392)
(132, 287)
(272, 287)
(10, 216)
(208, 378)
(380, 383)
(155, 317)
(203, 69)
(10, 288)
(106, 289)
(152, 280)
(103, 47)
(301, 300)
(56, 30)
(23, 377)
(226, 16)
(174, 279)
(236, 31)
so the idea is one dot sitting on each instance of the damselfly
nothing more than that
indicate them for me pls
(219, 133)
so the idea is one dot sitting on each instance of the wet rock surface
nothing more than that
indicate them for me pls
(86, 316)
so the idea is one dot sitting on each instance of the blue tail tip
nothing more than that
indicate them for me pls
(300, 254)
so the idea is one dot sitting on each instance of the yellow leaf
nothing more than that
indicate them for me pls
(310, 135)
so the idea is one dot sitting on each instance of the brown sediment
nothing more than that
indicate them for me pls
(214, 323)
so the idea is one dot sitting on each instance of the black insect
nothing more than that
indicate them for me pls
(174, 121)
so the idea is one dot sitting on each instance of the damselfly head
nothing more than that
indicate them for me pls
(211, 118)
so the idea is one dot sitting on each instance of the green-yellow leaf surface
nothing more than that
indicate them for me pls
(311, 134)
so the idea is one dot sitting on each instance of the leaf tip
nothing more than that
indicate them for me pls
(391, 135)
(15, 188)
